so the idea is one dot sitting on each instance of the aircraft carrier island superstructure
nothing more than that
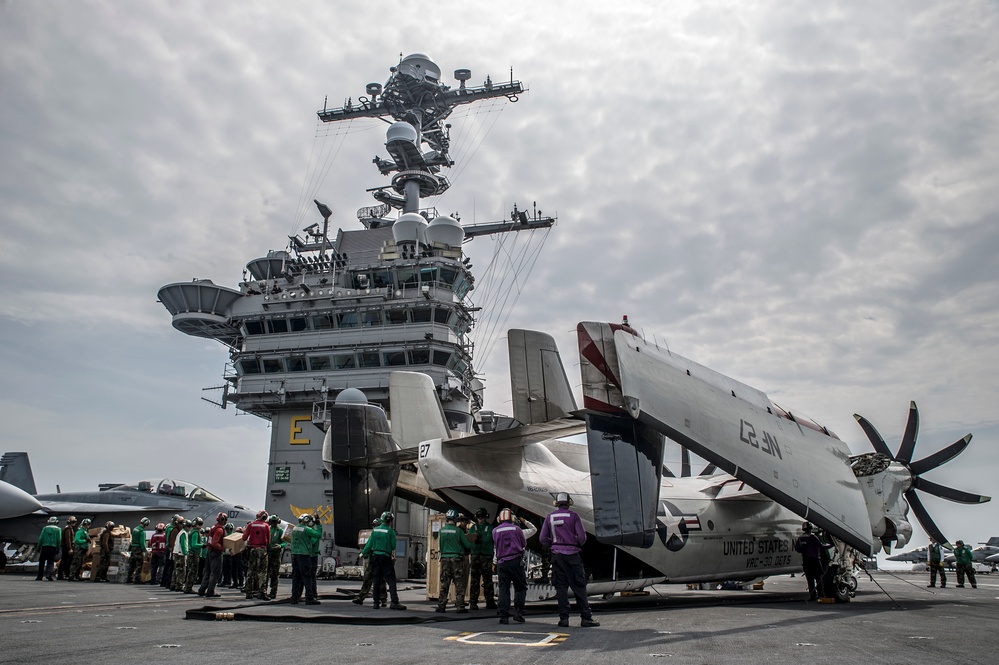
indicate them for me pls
(315, 329)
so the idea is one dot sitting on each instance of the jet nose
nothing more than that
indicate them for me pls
(15, 502)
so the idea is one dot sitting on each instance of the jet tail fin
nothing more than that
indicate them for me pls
(15, 469)
(538, 383)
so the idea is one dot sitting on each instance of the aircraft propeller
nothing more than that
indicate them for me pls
(685, 469)
(921, 466)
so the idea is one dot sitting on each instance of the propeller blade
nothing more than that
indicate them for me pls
(684, 463)
(708, 470)
(909, 438)
(943, 456)
(948, 493)
(667, 473)
(924, 517)
(872, 434)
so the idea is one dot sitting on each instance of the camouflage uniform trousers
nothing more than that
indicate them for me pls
(274, 569)
(366, 586)
(256, 573)
(103, 563)
(481, 567)
(193, 567)
(179, 571)
(135, 558)
(452, 570)
(77, 566)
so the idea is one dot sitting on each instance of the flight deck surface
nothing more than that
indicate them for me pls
(44, 621)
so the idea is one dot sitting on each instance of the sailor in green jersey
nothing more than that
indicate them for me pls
(480, 535)
(453, 545)
(366, 584)
(314, 556)
(303, 538)
(179, 556)
(964, 560)
(137, 552)
(48, 546)
(81, 542)
(275, 550)
(380, 549)
(195, 543)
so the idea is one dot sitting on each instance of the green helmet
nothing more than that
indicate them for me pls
(274, 519)
(387, 517)
(229, 527)
(144, 521)
(451, 515)
(376, 522)
(53, 520)
(85, 522)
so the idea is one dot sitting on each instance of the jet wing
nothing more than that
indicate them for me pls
(799, 468)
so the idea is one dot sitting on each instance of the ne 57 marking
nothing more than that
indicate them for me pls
(767, 443)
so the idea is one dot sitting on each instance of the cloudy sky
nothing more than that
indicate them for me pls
(798, 195)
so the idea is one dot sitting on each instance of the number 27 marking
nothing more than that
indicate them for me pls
(424, 450)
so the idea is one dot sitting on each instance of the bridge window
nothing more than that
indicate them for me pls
(422, 314)
(408, 277)
(277, 326)
(298, 324)
(394, 358)
(441, 315)
(343, 361)
(254, 327)
(371, 318)
(272, 365)
(322, 322)
(380, 279)
(448, 276)
(395, 316)
(368, 359)
(319, 363)
(249, 366)
(441, 358)
(348, 320)
(297, 364)
(419, 357)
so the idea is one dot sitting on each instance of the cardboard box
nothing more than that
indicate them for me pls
(234, 543)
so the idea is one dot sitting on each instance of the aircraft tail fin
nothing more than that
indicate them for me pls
(15, 469)
(417, 414)
(993, 541)
(538, 383)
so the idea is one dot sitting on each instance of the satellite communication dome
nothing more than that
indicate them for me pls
(420, 67)
(410, 228)
(446, 230)
(401, 131)
(351, 396)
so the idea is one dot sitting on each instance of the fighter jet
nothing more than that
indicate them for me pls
(23, 513)
(777, 467)
(917, 555)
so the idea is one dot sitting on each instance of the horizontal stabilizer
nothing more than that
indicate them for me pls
(732, 426)
(417, 414)
(538, 384)
(625, 477)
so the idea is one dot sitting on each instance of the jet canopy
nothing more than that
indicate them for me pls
(181, 489)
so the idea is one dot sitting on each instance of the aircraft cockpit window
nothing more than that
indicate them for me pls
(179, 491)
(165, 487)
(200, 494)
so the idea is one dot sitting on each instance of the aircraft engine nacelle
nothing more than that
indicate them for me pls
(884, 483)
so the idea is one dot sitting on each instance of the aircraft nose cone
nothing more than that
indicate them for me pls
(15, 502)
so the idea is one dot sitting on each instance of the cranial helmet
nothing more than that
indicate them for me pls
(85, 522)
(161, 526)
(303, 518)
(451, 515)
(806, 527)
(71, 520)
(387, 517)
(53, 520)
(198, 521)
(144, 521)
(262, 515)
(376, 522)
(188, 523)
(274, 519)
(221, 518)
(229, 528)
(562, 499)
(506, 515)
(109, 525)
(178, 518)
(481, 514)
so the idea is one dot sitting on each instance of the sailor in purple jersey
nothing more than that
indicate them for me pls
(563, 532)
(509, 541)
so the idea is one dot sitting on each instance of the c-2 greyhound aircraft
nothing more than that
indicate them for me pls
(645, 527)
